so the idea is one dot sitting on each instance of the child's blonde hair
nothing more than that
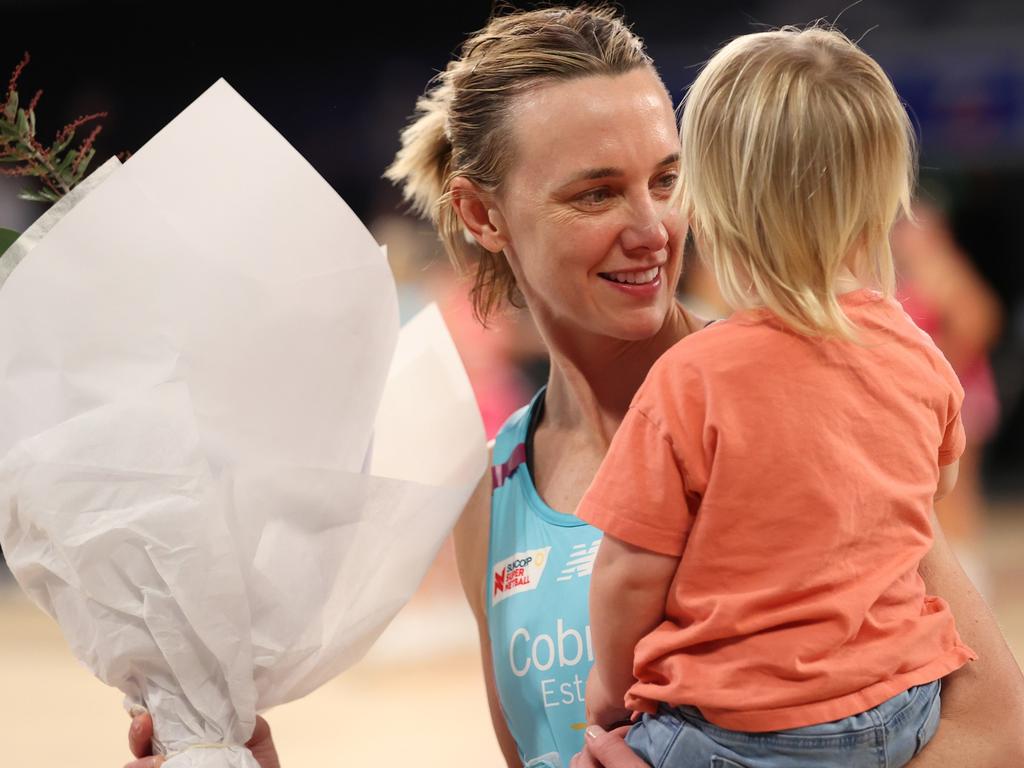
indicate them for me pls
(797, 158)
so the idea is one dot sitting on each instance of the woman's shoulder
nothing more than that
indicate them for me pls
(471, 536)
(473, 530)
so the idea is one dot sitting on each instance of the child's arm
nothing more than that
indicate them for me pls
(628, 590)
(947, 479)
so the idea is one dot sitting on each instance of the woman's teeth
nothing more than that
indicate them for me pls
(633, 278)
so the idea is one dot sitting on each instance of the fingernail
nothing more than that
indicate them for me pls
(593, 732)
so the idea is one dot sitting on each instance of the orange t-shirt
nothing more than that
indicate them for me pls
(794, 478)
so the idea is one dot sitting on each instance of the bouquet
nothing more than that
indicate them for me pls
(223, 468)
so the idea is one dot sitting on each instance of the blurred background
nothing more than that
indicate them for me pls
(340, 90)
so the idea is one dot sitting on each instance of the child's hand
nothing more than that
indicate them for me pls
(603, 708)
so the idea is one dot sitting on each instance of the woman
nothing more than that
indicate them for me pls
(551, 142)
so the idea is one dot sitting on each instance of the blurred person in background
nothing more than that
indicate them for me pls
(947, 298)
(492, 355)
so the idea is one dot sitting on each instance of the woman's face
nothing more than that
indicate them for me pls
(589, 233)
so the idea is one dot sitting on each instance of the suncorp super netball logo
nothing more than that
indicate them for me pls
(519, 573)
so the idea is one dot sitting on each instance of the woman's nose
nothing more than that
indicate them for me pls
(645, 231)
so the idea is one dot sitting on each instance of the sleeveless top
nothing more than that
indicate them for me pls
(537, 604)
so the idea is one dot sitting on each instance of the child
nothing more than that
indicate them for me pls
(768, 497)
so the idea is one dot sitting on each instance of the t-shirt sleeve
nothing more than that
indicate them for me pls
(954, 441)
(639, 493)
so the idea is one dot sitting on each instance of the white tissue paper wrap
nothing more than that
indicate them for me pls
(223, 470)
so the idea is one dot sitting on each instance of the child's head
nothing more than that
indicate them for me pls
(797, 158)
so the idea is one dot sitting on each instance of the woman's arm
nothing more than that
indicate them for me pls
(472, 534)
(982, 723)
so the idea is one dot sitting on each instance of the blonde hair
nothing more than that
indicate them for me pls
(797, 155)
(461, 126)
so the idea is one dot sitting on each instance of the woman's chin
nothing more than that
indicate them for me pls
(639, 328)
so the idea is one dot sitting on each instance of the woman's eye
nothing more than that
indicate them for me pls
(668, 180)
(595, 196)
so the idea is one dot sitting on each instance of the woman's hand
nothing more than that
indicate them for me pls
(603, 749)
(140, 736)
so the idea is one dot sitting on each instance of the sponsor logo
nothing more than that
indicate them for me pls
(519, 573)
(557, 662)
(581, 561)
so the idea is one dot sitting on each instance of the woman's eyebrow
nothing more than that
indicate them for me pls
(596, 173)
(610, 172)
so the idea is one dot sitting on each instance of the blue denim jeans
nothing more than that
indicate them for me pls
(887, 736)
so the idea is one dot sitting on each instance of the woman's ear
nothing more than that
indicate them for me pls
(475, 210)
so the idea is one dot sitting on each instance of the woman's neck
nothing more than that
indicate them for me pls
(593, 379)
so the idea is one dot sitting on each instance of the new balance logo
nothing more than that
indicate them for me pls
(581, 561)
